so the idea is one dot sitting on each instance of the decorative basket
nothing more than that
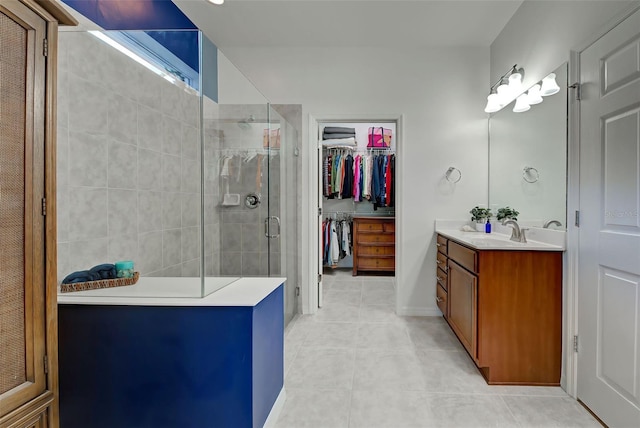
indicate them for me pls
(103, 283)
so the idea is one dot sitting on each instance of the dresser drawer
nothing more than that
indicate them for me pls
(465, 257)
(376, 263)
(441, 300)
(376, 250)
(441, 244)
(369, 226)
(389, 226)
(375, 238)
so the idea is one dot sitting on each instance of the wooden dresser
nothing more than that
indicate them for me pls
(374, 244)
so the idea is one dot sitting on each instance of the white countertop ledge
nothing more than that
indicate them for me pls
(150, 291)
(495, 241)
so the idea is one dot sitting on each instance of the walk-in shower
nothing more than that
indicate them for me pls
(156, 162)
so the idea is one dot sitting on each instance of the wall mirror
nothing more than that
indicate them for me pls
(528, 159)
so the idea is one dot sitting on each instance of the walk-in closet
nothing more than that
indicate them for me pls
(357, 194)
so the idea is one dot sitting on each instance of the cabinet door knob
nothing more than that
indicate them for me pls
(439, 279)
(438, 262)
(439, 299)
(438, 244)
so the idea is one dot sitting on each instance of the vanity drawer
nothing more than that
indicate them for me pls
(441, 244)
(441, 300)
(376, 263)
(441, 262)
(389, 226)
(375, 238)
(377, 250)
(441, 277)
(465, 257)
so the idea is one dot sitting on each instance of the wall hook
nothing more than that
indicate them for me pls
(530, 174)
(457, 175)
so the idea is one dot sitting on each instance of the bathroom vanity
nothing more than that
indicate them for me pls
(503, 300)
(131, 358)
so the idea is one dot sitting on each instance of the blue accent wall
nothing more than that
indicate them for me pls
(133, 14)
(157, 367)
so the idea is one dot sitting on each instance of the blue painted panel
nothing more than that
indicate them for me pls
(268, 347)
(183, 44)
(133, 14)
(137, 366)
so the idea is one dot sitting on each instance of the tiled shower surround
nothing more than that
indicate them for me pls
(128, 166)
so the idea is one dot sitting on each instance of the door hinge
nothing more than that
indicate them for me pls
(319, 278)
(319, 210)
(297, 291)
(575, 343)
(578, 87)
(577, 218)
(44, 206)
(46, 365)
(45, 47)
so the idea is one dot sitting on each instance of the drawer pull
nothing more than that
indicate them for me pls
(439, 279)
(438, 244)
(439, 262)
(439, 299)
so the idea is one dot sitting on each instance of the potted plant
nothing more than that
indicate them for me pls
(480, 216)
(507, 213)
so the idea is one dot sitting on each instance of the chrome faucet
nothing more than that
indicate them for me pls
(550, 222)
(517, 233)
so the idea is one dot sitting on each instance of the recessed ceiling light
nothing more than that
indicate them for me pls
(216, 1)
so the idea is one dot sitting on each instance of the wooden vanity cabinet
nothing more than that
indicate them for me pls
(505, 307)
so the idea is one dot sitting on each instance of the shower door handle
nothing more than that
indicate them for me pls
(267, 224)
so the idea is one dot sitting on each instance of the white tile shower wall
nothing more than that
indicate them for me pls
(128, 166)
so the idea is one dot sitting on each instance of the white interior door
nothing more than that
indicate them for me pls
(609, 258)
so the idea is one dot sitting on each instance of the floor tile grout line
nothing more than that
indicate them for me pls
(510, 411)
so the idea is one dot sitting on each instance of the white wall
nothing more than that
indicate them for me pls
(441, 95)
(540, 34)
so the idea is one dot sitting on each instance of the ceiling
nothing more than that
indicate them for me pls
(350, 23)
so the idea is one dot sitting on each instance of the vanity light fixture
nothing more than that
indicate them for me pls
(522, 104)
(549, 85)
(493, 102)
(507, 88)
(533, 95)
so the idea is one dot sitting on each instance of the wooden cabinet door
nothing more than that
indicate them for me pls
(22, 228)
(463, 303)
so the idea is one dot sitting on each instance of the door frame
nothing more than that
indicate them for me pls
(309, 290)
(572, 256)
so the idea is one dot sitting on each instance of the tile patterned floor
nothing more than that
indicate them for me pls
(356, 364)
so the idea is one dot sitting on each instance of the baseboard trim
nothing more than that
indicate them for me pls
(412, 311)
(276, 409)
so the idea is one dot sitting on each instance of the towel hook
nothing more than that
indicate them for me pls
(530, 174)
(450, 171)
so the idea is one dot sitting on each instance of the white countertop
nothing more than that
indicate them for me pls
(538, 239)
(149, 291)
